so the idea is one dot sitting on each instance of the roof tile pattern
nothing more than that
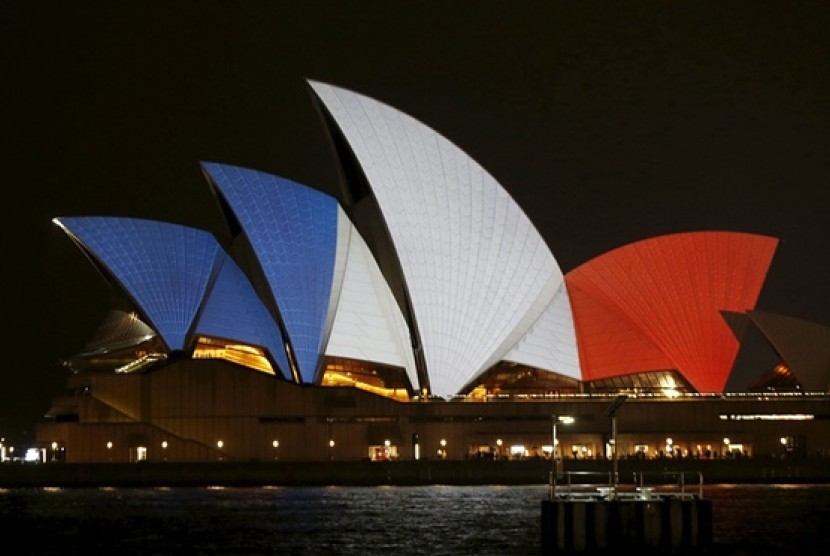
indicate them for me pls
(165, 268)
(477, 271)
(293, 231)
(368, 325)
(549, 342)
(664, 296)
(233, 311)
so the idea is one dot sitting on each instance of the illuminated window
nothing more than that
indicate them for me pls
(241, 354)
(383, 380)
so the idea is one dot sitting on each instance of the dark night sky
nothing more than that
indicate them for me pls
(609, 122)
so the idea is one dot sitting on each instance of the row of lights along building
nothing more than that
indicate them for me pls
(789, 445)
(355, 425)
(389, 452)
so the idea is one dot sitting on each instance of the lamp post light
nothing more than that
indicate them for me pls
(554, 419)
(612, 411)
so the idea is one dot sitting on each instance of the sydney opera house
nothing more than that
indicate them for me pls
(420, 314)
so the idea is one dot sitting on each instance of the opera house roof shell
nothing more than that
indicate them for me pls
(471, 283)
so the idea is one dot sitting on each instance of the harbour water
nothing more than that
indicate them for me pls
(748, 520)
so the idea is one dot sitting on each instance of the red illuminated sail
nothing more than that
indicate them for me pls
(655, 304)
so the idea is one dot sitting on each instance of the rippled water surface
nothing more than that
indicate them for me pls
(481, 520)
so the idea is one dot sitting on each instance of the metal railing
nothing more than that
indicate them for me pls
(651, 485)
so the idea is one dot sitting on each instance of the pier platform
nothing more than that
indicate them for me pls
(657, 513)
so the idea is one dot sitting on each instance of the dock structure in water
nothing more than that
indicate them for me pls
(659, 512)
